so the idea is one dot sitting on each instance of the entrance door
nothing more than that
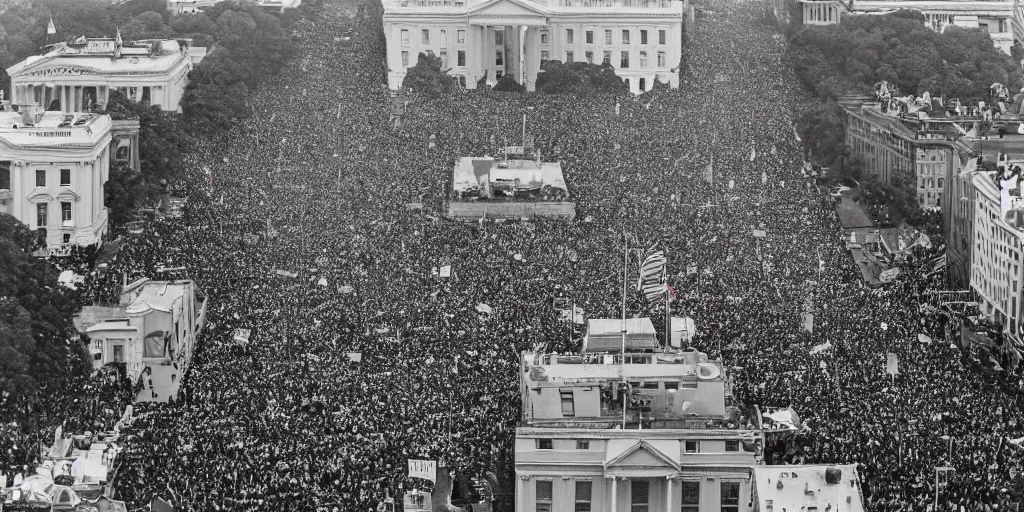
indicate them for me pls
(640, 496)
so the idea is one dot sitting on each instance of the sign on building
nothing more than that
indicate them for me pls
(425, 469)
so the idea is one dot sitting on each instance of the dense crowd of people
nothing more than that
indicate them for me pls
(321, 184)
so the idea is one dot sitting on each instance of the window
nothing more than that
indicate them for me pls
(41, 215)
(461, 36)
(65, 212)
(544, 55)
(661, 59)
(444, 39)
(643, 37)
(624, 60)
(40, 178)
(118, 353)
(568, 57)
(544, 38)
(544, 444)
(625, 37)
(607, 37)
(462, 58)
(65, 178)
(671, 385)
(643, 85)
(607, 58)
(5, 175)
(590, 57)
(444, 59)
(589, 36)
(568, 36)
(544, 493)
(66, 237)
(499, 57)
(691, 496)
(582, 445)
(499, 37)
(405, 37)
(643, 60)
(146, 94)
(730, 497)
(732, 446)
(425, 36)
(692, 447)
(639, 491)
(405, 59)
(584, 493)
(567, 407)
(651, 384)
(661, 37)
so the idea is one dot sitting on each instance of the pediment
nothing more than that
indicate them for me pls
(509, 9)
(45, 70)
(40, 194)
(642, 455)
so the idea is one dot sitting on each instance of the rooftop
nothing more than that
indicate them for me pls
(106, 56)
(797, 488)
(541, 7)
(47, 129)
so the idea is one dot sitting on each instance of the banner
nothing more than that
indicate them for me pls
(425, 469)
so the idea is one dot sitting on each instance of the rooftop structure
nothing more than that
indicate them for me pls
(194, 6)
(803, 488)
(78, 76)
(488, 39)
(516, 185)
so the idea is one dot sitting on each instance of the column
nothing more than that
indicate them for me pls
(519, 489)
(615, 495)
(81, 98)
(485, 67)
(668, 494)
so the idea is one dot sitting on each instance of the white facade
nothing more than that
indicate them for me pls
(641, 39)
(997, 275)
(997, 17)
(932, 164)
(52, 174)
(75, 76)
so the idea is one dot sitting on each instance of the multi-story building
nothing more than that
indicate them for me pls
(1001, 19)
(647, 431)
(921, 149)
(52, 170)
(152, 332)
(958, 225)
(997, 275)
(78, 76)
(487, 39)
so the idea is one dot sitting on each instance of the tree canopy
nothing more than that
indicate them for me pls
(427, 77)
(579, 77)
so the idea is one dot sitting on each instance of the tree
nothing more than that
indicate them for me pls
(147, 25)
(125, 191)
(215, 95)
(508, 84)
(427, 78)
(821, 129)
(579, 77)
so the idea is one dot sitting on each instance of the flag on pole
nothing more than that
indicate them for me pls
(652, 276)
(671, 291)
(50, 28)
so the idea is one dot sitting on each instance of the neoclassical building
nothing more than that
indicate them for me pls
(475, 39)
(52, 170)
(74, 77)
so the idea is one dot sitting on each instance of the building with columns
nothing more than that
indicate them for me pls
(1000, 18)
(648, 432)
(78, 76)
(52, 170)
(487, 39)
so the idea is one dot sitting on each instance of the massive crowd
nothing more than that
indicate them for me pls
(318, 184)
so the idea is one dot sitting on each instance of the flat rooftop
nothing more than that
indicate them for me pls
(53, 129)
(97, 54)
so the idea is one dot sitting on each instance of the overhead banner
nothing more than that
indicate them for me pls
(425, 469)
(892, 364)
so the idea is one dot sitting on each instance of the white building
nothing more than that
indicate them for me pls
(153, 332)
(641, 39)
(73, 77)
(1000, 18)
(997, 275)
(194, 6)
(52, 170)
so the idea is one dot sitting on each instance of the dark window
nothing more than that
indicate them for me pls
(590, 37)
(643, 37)
(661, 37)
(65, 212)
(582, 445)
(732, 446)
(65, 177)
(567, 405)
(5, 175)
(624, 60)
(651, 385)
(691, 496)
(42, 215)
(544, 444)
(544, 493)
(462, 57)
(692, 447)
(40, 178)
(730, 497)
(639, 496)
(671, 385)
(584, 491)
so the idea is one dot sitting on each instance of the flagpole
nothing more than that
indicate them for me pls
(668, 307)
(622, 354)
